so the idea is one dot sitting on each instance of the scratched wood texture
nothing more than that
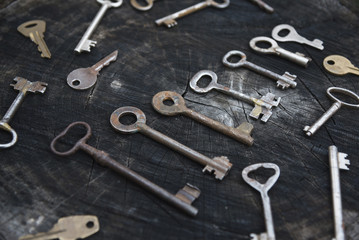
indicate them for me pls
(38, 187)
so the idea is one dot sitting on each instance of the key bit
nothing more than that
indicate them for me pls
(339, 65)
(343, 162)
(23, 84)
(188, 193)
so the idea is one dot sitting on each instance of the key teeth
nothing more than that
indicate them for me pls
(224, 162)
(188, 193)
(343, 162)
(170, 23)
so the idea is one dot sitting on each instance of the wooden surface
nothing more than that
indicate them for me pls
(38, 187)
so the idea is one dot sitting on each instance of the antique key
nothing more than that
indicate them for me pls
(170, 21)
(24, 86)
(85, 43)
(339, 65)
(241, 133)
(35, 30)
(69, 228)
(263, 189)
(310, 130)
(293, 36)
(297, 58)
(140, 7)
(220, 166)
(182, 200)
(263, 6)
(283, 81)
(262, 107)
(84, 78)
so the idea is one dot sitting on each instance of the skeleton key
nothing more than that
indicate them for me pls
(85, 43)
(293, 36)
(241, 133)
(220, 166)
(69, 228)
(35, 31)
(84, 78)
(170, 21)
(297, 58)
(24, 86)
(262, 107)
(263, 6)
(140, 7)
(283, 81)
(310, 130)
(263, 189)
(339, 65)
(182, 200)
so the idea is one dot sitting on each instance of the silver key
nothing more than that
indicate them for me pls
(310, 130)
(283, 81)
(220, 166)
(263, 189)
(297, 58)
(84, 78)
(140, 7)
(170, 21)
(262, 107)
(85, 43)
(293, 36)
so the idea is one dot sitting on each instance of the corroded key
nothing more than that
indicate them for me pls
(339, 65)
(220, 166)
(140, 7)
(241, 133)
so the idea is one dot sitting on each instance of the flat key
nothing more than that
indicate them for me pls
(310, 130)
(85, 43)
(220, 166)
(339, 65)
(182, 200)
(263, 6)
(69, 228)
(283, 81)
(85, 78)
(170, 21)
(263, 189)
(293, 36)
(35, 30)
(241, 133)
(262, 107)
(140, 7)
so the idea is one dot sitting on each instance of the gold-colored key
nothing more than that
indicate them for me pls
(339, 65)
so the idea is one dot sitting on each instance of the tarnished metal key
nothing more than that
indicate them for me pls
(35, 30)
(310, 130)
(263, 5)
(241, 133)
(69, 228)
(170, 21)
(84, 78)
(182, 200)
(283, 81)
(85, 43)
(140, 7)
(339, 65)
(262, 107)
(24, 86)
(263, 189)
(220, 166)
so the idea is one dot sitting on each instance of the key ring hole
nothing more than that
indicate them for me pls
(351, 99)
(283, 32)
(220, 4)
(264, 44)
(90, 224)
(76, 82)
(234, 59)
(261, 174)
(126, 119)
(330, 62)
(168, 102)
(31, 25)
(263, 40)
(5, 132)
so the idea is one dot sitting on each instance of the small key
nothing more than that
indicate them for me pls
(263, 189)
(85, 78)
(35, 30)
(263, 6)
(220, 166)
(24, 86)
(69, 228)
(297, 58)
(241, 133)
(283, 81)
(310, 130)
(293, 36)
(170, 20)
(262, 107)
(140, 7)
(339, 65)
(182, 200)
(85, 43)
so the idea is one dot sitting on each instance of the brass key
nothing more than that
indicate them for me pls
(339, 65)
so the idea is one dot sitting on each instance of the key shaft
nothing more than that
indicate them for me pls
(39, 40)
(263, 6)
(268, 215)
(294, 57)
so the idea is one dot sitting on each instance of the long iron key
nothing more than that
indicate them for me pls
(241, 133)
(310, 130)
(35, 30)
(339, 65)
(69, 228)
(262, 107)
(24, 86)
(182, 200)
(220, 166)
(283, 81)
(170, 21)
(263, 189)
(85, 43)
